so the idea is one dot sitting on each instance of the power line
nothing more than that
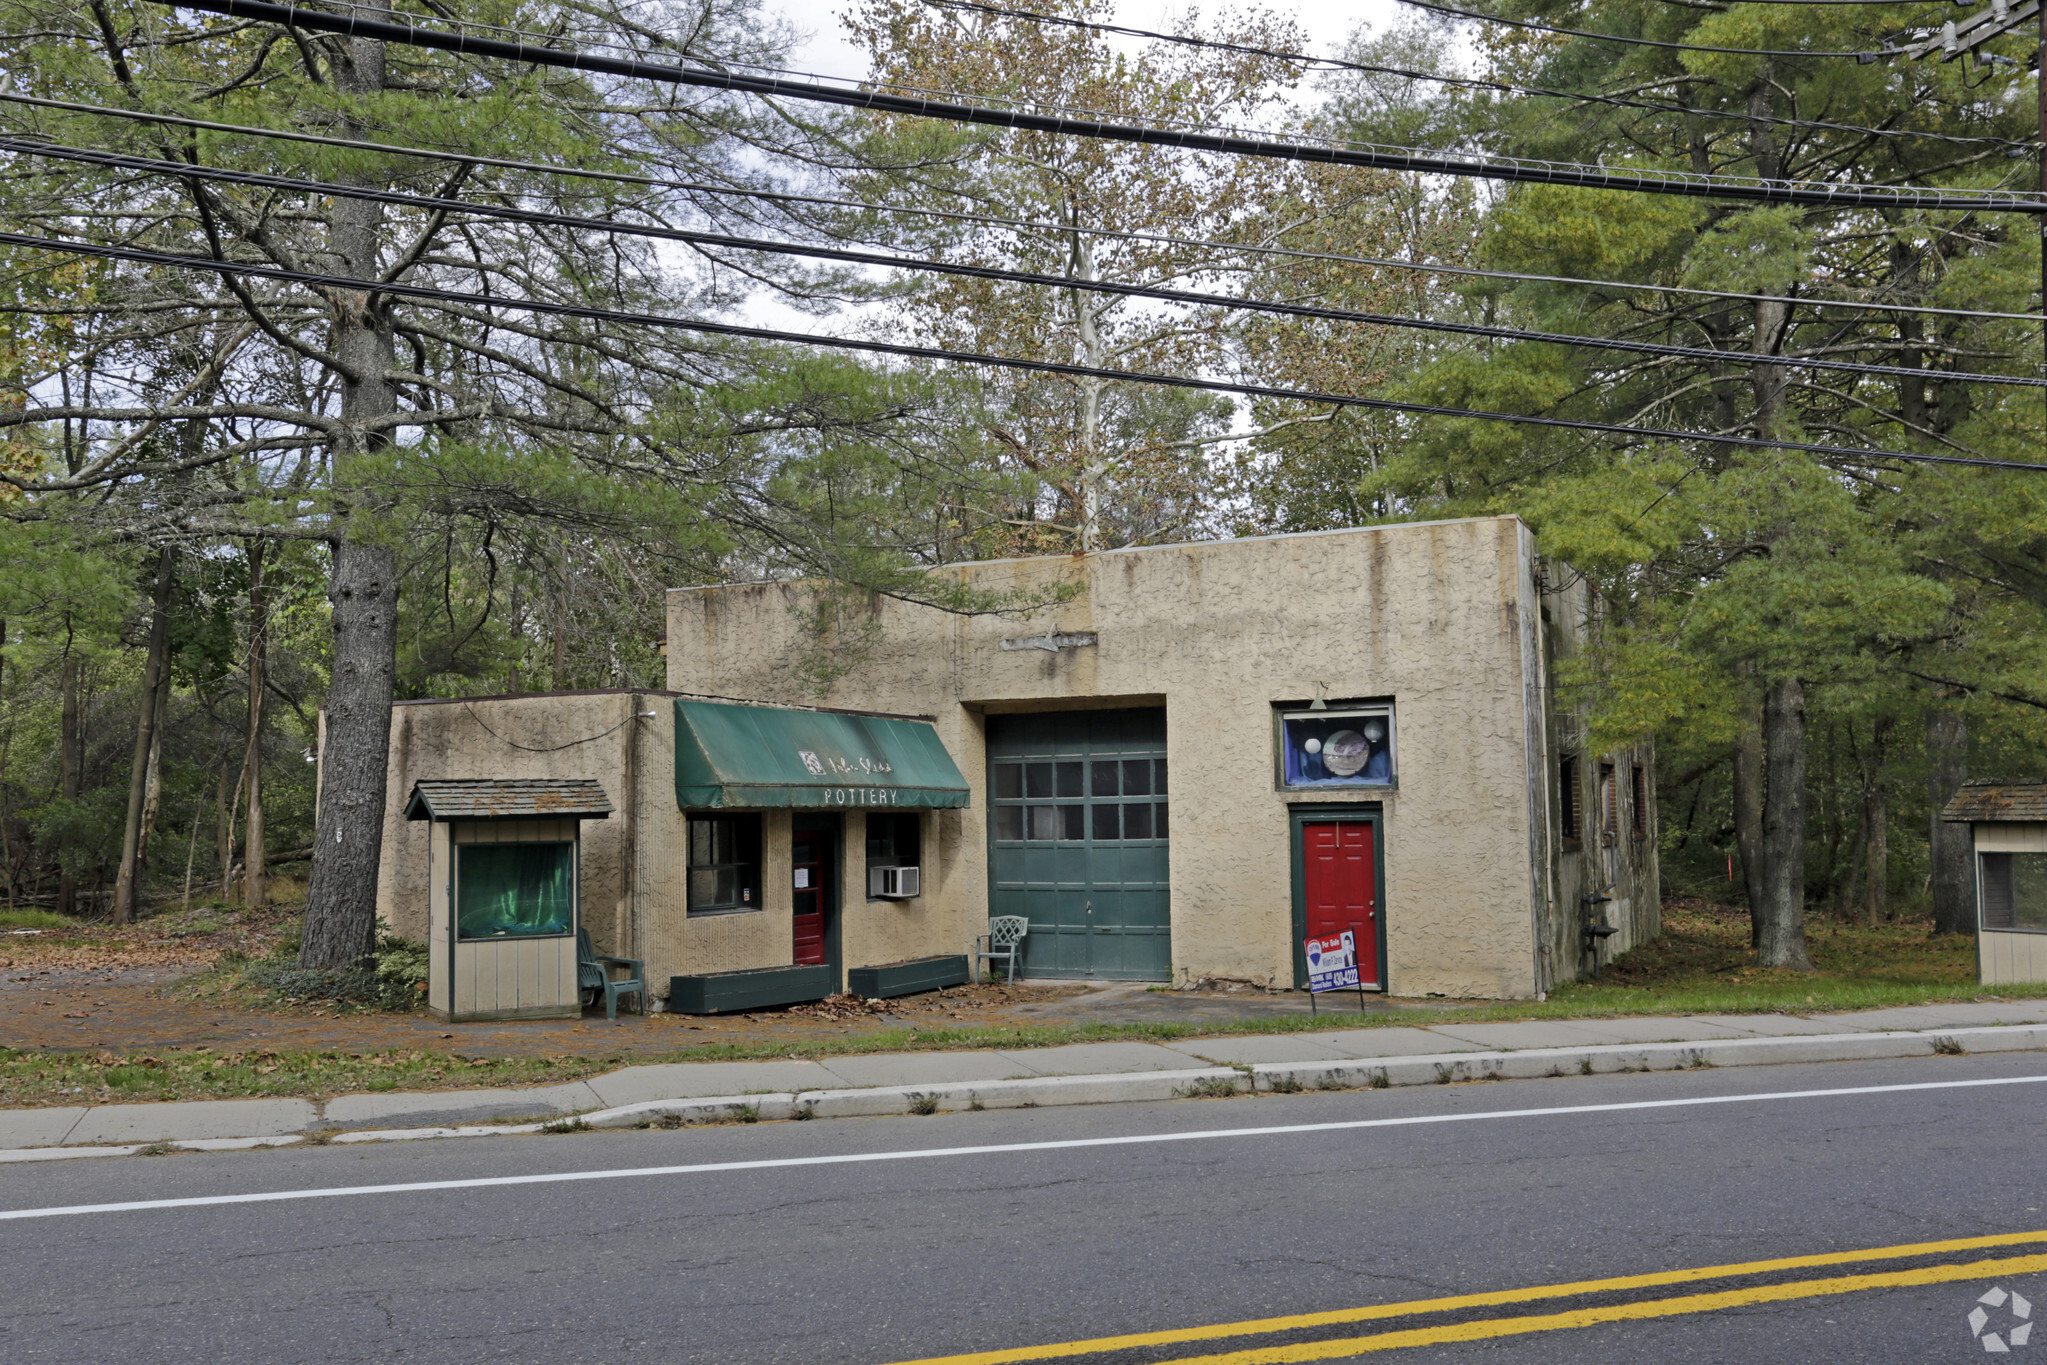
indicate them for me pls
(1473, 83)
(1639, 42)
(955, 215)
(1377, 158)
(726, 329)
(890, 261)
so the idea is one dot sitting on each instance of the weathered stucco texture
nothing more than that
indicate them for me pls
(1443, 619)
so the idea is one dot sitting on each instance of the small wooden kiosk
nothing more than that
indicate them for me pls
(504, 904)
(2008, 821)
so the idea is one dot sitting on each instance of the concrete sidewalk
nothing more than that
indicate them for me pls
(926, 1082)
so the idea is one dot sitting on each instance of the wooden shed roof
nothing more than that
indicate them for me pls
(508, 798)
(1998, 802)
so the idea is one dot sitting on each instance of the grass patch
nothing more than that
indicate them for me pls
(27, 918)
(43, 1078)
(1700, 966)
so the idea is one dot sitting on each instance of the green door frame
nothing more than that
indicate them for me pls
(833, 828)
(1303, 814)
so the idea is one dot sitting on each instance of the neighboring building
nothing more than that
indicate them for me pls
(2008, 821)
(1198, 756)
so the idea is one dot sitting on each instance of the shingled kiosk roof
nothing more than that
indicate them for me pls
(1998, 802)
(508, 798)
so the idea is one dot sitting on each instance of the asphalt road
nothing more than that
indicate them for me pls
(876, 1261)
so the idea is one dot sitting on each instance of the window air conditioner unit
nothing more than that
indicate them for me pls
(894, 883)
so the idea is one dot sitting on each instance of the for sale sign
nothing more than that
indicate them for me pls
(1333, 962)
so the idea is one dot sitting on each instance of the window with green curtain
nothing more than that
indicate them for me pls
(515, 890)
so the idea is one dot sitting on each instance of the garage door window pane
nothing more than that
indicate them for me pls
(1044, 822)
(1009, 822)
(1158, 768)
(514, 890)
(1009, 780)
(1107, 824)
(1137, 821)
(1105, 777)
(1137, 777)
(1070, 777)
(1037, 779)
(1158, 828)
(1073, 822)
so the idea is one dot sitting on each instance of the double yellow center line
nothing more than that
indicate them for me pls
(1482, 1328)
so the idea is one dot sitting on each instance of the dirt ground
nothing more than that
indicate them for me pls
(97, 988)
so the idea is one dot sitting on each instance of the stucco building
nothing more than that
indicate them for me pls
(1194, 757)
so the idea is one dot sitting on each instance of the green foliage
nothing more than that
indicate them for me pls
(22, 917)
(402, 962)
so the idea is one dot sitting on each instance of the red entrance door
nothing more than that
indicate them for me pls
(1340, 887)
(811, 865)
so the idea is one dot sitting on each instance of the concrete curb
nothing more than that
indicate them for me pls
(887, 1100)
(1533, 1063)
(1030, 1092)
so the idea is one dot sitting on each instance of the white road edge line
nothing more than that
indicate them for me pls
(925, 1153)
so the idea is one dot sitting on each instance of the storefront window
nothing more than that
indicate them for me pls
(893, 840)
(1347, 747)
(2014, 890)
(724, 863)
(515, 890)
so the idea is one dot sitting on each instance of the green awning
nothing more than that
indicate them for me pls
(770, 756)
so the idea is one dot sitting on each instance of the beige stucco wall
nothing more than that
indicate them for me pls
(1442, 618)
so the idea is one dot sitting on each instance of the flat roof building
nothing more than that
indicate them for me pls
(1190, 760)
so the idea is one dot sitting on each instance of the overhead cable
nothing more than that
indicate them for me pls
(1377, 158)
(1471, 82)
(357, 287)
(1639, 42)
(1022, 224)
(890, 261)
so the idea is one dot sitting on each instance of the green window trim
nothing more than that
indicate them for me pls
(524, 890)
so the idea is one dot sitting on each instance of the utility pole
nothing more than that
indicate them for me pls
(1960, 37)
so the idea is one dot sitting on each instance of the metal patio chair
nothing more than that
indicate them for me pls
(593, 974)
(1004, 940)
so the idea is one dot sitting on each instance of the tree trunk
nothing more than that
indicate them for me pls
(1950, 851)
(341, 901)
(1781, 916)
(152, 782)
(1876, 819)
(1769, 382)
(70, 757)
(1748, 816)
(253, 889)
(224, 822)
(145, 738)
(1093, 466)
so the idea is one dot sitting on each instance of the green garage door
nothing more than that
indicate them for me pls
(1077, 840)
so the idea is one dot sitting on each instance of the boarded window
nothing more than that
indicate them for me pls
(1638, 801)
(724, 863)
(2014, 890)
